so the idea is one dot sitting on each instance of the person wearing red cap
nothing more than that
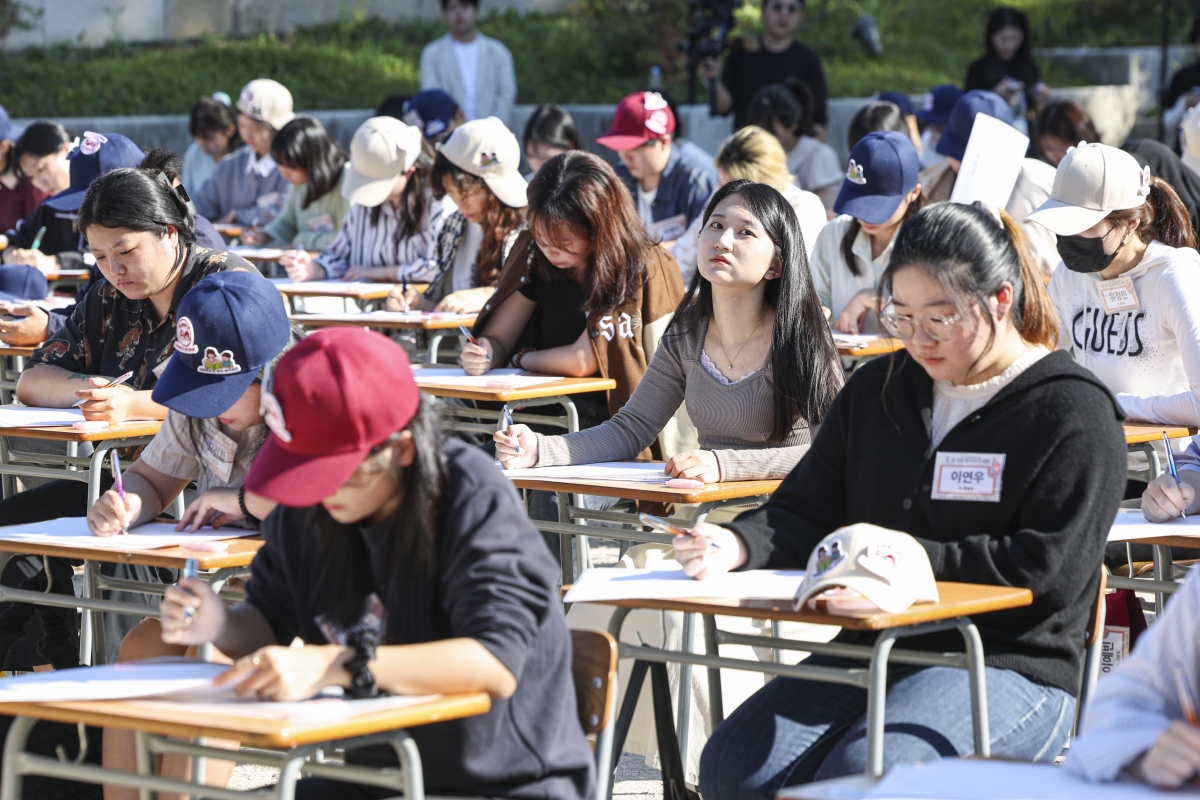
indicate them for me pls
(670, 186)
(405, 563)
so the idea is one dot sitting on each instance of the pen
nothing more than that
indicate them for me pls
(506, 420)
(109, 385)
(463, 330)
(667, 527)
(36, 244)
(1187, 701)
(404, 292)
(1171, 466)
(116, 462)
(190, 570)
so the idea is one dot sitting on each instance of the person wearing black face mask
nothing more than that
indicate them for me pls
(1127, 293)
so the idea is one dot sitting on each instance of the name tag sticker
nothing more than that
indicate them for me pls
(968, 476)
(321, 224)
(218, 453)
(1118, 294)
(669, 229)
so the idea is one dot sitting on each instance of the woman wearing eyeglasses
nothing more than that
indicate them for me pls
(978, 383)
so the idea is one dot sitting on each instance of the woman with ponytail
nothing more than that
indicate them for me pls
(1127, 293)
(978, 379)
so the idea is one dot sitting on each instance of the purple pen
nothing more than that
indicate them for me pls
(120, 485)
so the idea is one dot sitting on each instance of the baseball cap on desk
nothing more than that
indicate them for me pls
(640, 117)
(1091, 182)
(889, 568)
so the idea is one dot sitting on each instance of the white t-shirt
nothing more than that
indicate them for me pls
(644, 202)
(832, 279)
(929, 153)
(465, 257)
(1147, 354)
(814, 164)
(467, 55)
(952, 404)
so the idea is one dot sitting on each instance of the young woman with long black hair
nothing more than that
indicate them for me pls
(405, 563)
(978, 376)
(1008, 68)
(748, 349)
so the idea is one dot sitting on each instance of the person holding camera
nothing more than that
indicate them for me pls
(756, 61)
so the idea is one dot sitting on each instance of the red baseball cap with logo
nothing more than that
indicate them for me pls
(640, 117)
(336, 395)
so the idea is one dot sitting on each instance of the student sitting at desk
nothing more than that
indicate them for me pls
(477, 168)
(405, 563)
(392, 229)
(977, 379)
(211, 434)
(315, 165)
(748, 349)
(1142, 718)
(585, 290)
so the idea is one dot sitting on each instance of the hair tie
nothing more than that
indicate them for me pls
(991, 210)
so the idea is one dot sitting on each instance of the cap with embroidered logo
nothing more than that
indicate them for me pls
(884, 167)
(382, 150)
(96, 154)
(889, 568)
(640, 117)
(938, 103)
(431, 111)
(953, 142)
(1091, 182)
(267, 101)
(227, 328)
(488, 150)
(333, 398)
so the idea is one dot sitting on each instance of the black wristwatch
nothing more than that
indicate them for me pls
(362, 680)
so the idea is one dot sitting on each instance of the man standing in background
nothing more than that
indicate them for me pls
(477, 71)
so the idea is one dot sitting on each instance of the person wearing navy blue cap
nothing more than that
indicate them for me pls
(934, 114)
(18, 195)
(1034, 181)
(434, 112)
(19, 283)
(904, 103)
(882, 188)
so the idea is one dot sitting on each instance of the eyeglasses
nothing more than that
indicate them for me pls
(904, 326)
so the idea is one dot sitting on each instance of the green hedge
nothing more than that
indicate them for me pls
(594, 52)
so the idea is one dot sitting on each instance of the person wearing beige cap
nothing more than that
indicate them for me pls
(246, 187)
(477, 169)
(390, 233)
(1127, 293)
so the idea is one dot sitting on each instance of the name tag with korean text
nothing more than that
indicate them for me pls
(322, 223)
(968, 476)
(1117, 295)
(218, 454)
(669, 229)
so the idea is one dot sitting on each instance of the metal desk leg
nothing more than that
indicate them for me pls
(877, 700)
(289, 773)
(977, 673)
(572, 415)
(7, 482)
(141, 745)
(716, 698)
(95, 470)
(1162, 569)
(435, 341)
(14, 746)
(683, 727)
(410, 763)
(91, 624)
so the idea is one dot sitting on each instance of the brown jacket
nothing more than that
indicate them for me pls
(620, 338)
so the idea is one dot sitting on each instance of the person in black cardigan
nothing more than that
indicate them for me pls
(1007, 68)
(978, 376)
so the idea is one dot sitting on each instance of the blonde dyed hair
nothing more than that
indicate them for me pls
(753, 154)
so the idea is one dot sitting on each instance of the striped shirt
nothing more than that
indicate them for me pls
(361, 244)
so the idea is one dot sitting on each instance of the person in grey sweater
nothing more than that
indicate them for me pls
(748, 351)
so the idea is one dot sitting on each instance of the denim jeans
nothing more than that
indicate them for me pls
(794, 731)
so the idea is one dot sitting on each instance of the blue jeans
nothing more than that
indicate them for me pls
(795, 731)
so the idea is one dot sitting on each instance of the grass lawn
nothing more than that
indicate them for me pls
(594, 52)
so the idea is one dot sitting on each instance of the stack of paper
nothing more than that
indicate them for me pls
(73, 532)
(34, 417)
(512, 378)
(855, 340)
(625, 471)
(599, 585)
(1131, 525)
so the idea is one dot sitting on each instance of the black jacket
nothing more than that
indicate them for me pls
(497, 584)
(1064, 476)
(61, 238)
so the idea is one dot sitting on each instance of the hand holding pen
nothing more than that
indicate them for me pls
(476, 354)
(1174, 472)
(1174, 757)
(110, 385)
(506, 421)
(119, 485)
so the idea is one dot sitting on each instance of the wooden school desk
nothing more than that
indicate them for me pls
(572, 518)
(1141, 437)
(67, 278)
(358, 295)
(556, 392)
(216, 568)
(9, 374)
(959, 601)
(167, 727)
(436, 326)
(227, 230)
(881, 347)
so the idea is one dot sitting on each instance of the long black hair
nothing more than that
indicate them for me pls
(789, 103)
(305, 144)
(210, 115)
(140, 200)
(553, 126)
(1006, 17)
(39, 140)
(804, 361)
(345, 576)
(878, 115)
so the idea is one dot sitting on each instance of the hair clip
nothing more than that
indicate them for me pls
(1147, 180)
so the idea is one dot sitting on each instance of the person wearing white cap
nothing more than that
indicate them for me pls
(1001, 457)
(390, 233)
(246, 187)
(477, 168)
(1127, 293)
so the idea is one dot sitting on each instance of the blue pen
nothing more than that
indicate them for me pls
(1171, 465)
(506, 421)
(36, 244)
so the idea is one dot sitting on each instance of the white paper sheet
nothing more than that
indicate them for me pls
(13, 416)
(855, 340)
(263, 253)
(628, 471)
(974, 779)
(393, 316)
(73, 531)
(609, 583)
(991, 163)
(315, 711)
(1131, 525)
(515, 378)
(330, 288)
(114, 682)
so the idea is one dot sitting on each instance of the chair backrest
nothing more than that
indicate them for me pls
(594, 668)
(1095, 626)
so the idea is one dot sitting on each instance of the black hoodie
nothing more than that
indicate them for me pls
(1064, 476)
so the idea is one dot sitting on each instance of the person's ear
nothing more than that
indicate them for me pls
(1004, 297)
(775, 271)
(914, 194)
(404, 450)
